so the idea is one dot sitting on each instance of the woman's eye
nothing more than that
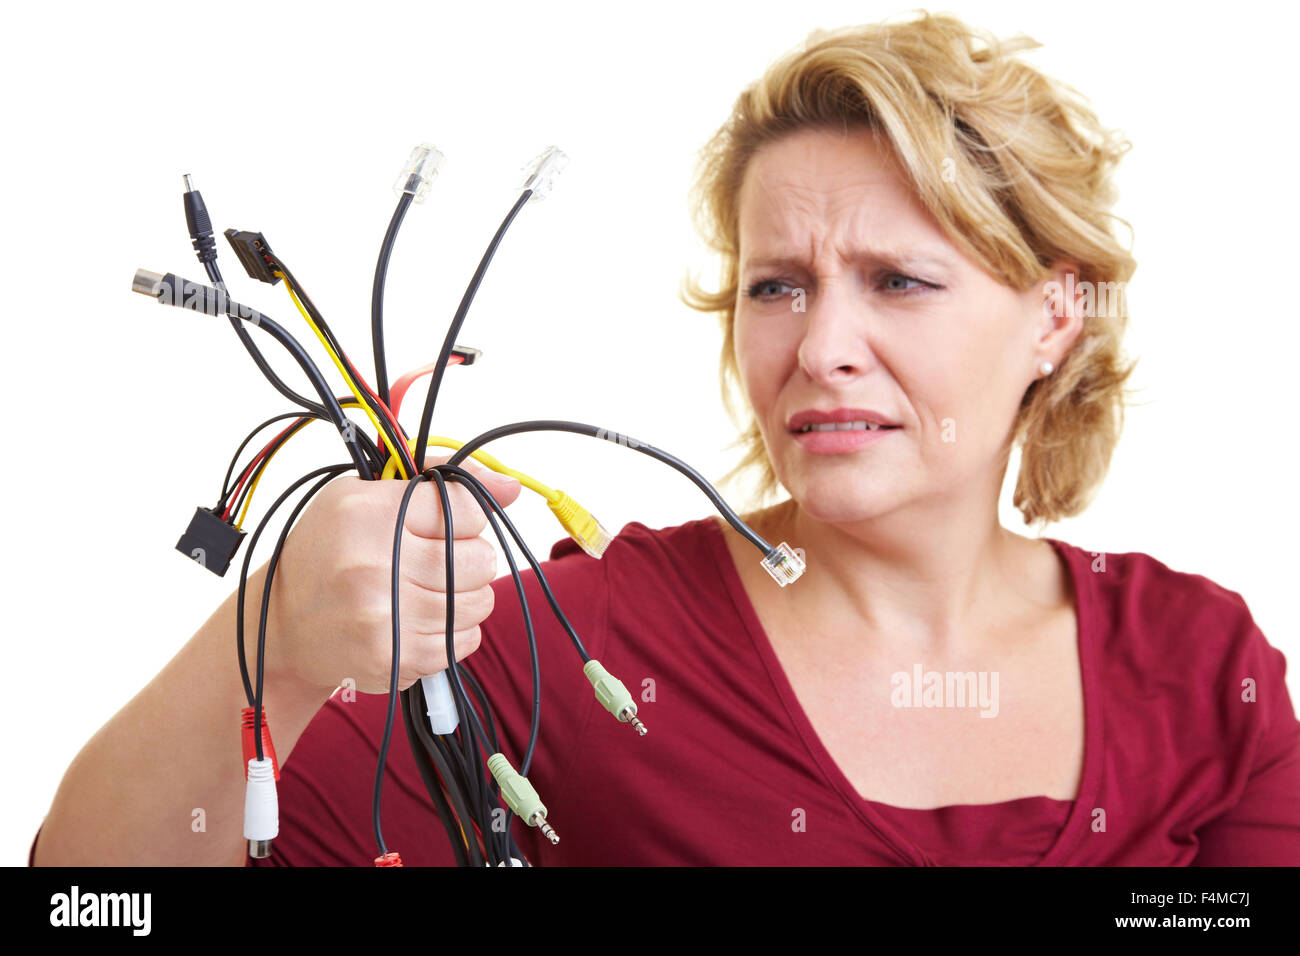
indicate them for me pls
(897, 282)
(767, 289)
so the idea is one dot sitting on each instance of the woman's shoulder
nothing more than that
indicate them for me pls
(1153, 613)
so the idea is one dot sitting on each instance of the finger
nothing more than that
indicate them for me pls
(503, 488)
(425, 654)
(424, 563)
(467, 517)
(425, 609)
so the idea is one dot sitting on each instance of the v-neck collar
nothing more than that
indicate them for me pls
(1088, 634)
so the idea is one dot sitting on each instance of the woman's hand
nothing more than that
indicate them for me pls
(331, 601)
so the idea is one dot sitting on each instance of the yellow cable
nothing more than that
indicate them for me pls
(581, 525)
(352, 386)
(243, 512)
(550, 494)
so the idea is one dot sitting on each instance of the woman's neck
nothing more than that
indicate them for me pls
(936, 585)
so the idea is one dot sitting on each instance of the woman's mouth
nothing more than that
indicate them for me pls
(834, 438)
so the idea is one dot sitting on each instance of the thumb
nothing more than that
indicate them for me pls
(503, 488)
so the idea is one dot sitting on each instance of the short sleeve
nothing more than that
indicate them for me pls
(1263, 827)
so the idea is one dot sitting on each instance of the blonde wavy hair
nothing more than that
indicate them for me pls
(1014, 166)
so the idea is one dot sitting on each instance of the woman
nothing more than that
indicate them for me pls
(914, 229)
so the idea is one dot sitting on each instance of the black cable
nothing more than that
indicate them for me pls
(368, 446)
(225, 484)
(581, 428)
(214, 273)
(397, 656)
(427, 774)
(489, 504)
(428, 756)
(492, 794)
(460, 773)
(469, 739)
(455, 788)
(377, 296)
(173, 290)
(503, 843)
(266, 604)
(453, 668)
(399, 526)
(247, 487)
(560, 616)
(390, 430)
(200, 228)
(483, 706)
(426, 417)
(343, 400)
(335, 470)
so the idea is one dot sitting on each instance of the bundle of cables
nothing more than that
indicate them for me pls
(448, 717)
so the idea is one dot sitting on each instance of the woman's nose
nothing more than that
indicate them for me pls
(834, 348)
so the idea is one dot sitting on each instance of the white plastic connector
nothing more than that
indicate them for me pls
(261, 807)
(540, 174)
(784, 564)
(443, 718)
(418, 174)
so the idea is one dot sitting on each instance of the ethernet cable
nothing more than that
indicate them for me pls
(538, 184)
(413, 184)
(783, 563)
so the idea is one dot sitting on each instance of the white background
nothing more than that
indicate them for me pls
(295, 118)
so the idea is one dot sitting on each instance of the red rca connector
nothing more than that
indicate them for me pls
(391, 858)
(250, 745)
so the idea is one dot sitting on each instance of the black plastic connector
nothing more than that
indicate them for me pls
(209, 541)
(467, 355)
(254, 254)
(199, 224)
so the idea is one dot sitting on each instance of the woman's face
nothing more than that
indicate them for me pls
(851, 297)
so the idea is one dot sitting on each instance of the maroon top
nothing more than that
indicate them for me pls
(732, 772)
(1184, 769)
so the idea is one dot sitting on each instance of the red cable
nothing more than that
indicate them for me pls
(234, 496)
(399, 389)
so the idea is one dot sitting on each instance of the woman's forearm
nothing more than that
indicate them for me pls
(161, 782)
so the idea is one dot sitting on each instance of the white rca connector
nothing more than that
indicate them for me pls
(261, 808)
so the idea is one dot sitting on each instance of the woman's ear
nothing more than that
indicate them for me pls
(1064, 301)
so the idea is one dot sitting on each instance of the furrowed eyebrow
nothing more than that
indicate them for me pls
(898, 259)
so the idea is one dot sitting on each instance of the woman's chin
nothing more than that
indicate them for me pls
(833, 503)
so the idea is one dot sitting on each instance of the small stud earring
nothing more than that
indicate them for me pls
(1047, 368)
